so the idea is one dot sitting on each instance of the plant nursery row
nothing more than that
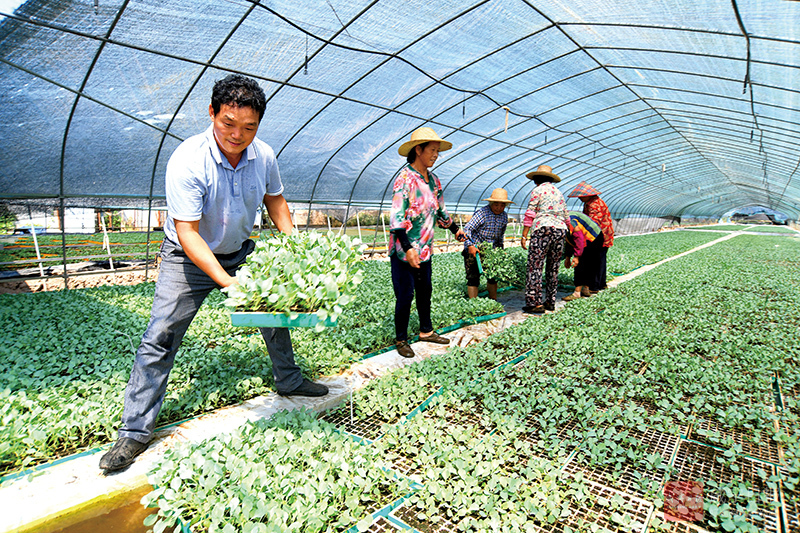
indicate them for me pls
(68, 354)
(613, 414)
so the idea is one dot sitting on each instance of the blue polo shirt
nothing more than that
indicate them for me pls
(202, 185)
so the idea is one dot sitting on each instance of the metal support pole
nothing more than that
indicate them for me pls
(107, 243)
(36, 245)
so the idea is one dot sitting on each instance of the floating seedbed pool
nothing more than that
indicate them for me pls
(368, 428)
(470, 419)
(652, 410)
(630, 478)
(611, 510)
(700, 463)
(766, 451)
(384, 525)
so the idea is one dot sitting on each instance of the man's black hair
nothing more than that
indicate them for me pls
(238, 91)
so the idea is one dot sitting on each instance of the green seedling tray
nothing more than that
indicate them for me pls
(278, 320)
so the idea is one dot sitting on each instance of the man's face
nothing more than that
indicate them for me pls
(234, 129)
(497, 207)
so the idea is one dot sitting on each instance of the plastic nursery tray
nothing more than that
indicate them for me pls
(278, 320)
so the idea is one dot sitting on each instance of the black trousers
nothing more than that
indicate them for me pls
(407, 282)
(591, 269)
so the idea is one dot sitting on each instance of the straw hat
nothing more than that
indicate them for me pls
(583, 190)
(543, 170)
(420, 136)
(499, 195)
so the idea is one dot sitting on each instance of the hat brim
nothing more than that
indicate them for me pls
(554, 177)
(499, 201)
(408, 145)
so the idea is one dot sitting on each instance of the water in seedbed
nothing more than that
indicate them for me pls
(125, 515)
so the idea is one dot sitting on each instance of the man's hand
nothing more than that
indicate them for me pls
(412, 256)
(461, 236)
(574, 261)
(472, 250)
(200, 254)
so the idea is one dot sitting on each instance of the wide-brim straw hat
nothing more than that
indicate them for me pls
(499, 195)
(582, 190)
(543, 170)
(420, 136)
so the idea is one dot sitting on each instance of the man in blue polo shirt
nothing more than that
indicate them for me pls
(215, 182)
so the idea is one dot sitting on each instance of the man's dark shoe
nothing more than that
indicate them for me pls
(307, 388)
(404, 349)
(435, 337)
(122, 454)
(549, 307)
(533, 310)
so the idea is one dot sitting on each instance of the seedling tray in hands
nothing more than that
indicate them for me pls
(278, 320)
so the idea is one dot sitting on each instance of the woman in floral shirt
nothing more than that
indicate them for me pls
(598, 211)
(547, 215)
(417, 203)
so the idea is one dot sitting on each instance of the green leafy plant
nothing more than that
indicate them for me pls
(506, 265)
(301, 272)
(291, 473)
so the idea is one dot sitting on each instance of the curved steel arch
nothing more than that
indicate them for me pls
(393, 110)
(75, 102)
(618, 151)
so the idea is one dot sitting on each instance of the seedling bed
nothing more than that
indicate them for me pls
(698, 462)
(652, 410)
(385, 502)
(407, 514)
(405, 466)
(532, 423)
(791, 392)
(508, 361)
(791, 510)
(766, 451)
(549, 368)
(471, 419)
(369, 428)
(628, 479)
(382, 525)
(679, 527)
(633, 511)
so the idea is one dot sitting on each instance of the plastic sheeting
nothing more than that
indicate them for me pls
(670, 108)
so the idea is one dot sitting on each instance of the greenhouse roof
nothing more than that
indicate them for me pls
(668, 108)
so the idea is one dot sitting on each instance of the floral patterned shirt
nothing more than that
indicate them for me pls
(598, 211)
(416, 205)
(547, 207)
